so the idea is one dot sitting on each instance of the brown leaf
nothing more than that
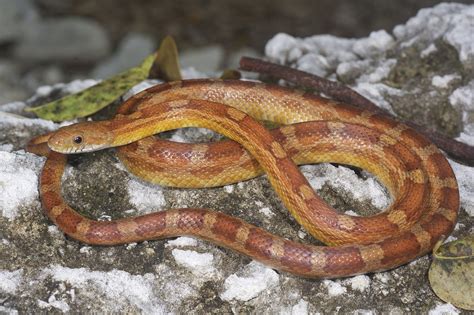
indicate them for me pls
(166, 66)
(452, 272)
(230, 74)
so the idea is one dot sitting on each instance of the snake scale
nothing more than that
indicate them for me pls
(425, 198)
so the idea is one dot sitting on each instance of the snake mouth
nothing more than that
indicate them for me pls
(77, 149)
(58, 144)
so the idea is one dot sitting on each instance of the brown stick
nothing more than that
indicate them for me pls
(339, 92)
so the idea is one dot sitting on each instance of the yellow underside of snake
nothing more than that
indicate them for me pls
(424, 191)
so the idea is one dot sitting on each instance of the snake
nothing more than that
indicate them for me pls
(312, 129)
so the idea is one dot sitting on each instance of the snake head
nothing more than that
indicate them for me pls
(81, 137)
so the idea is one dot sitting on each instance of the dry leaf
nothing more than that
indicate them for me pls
(452, 272)
(166, 66)
(230, 74)
(95, 98)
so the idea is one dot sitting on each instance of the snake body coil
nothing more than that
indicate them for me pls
(424, 191)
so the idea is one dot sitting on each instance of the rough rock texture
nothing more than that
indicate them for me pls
(40, 269)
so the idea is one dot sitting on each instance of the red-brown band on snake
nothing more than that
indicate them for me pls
(425, 198)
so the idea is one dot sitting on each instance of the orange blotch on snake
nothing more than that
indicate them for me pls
(439, 225)
(297, 255)
(259, 243)
(450, 197)
(437, 164)
(103, 232)
(191, 219)
(391, 248)
(406, 155)
(68, 220)
(343, 260)
(226, 227)
(151, 224)
(51, 199)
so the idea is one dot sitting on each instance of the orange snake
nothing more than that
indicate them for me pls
(425, 198)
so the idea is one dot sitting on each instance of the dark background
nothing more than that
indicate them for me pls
(239, 23)
(235, 27)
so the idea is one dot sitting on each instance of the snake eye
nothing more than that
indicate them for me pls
(77, 139)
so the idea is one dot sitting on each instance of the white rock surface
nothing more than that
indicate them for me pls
(451, 22)
(463, 99)
(10, 281)
(334, 288)
(144, 196)
(118, 286)
(200, 264)
(360, 283)
(18, 182)
(326, 55)
(256, 279)
(182, 241)
(340, 177)
(443, 309)
(443, 81)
